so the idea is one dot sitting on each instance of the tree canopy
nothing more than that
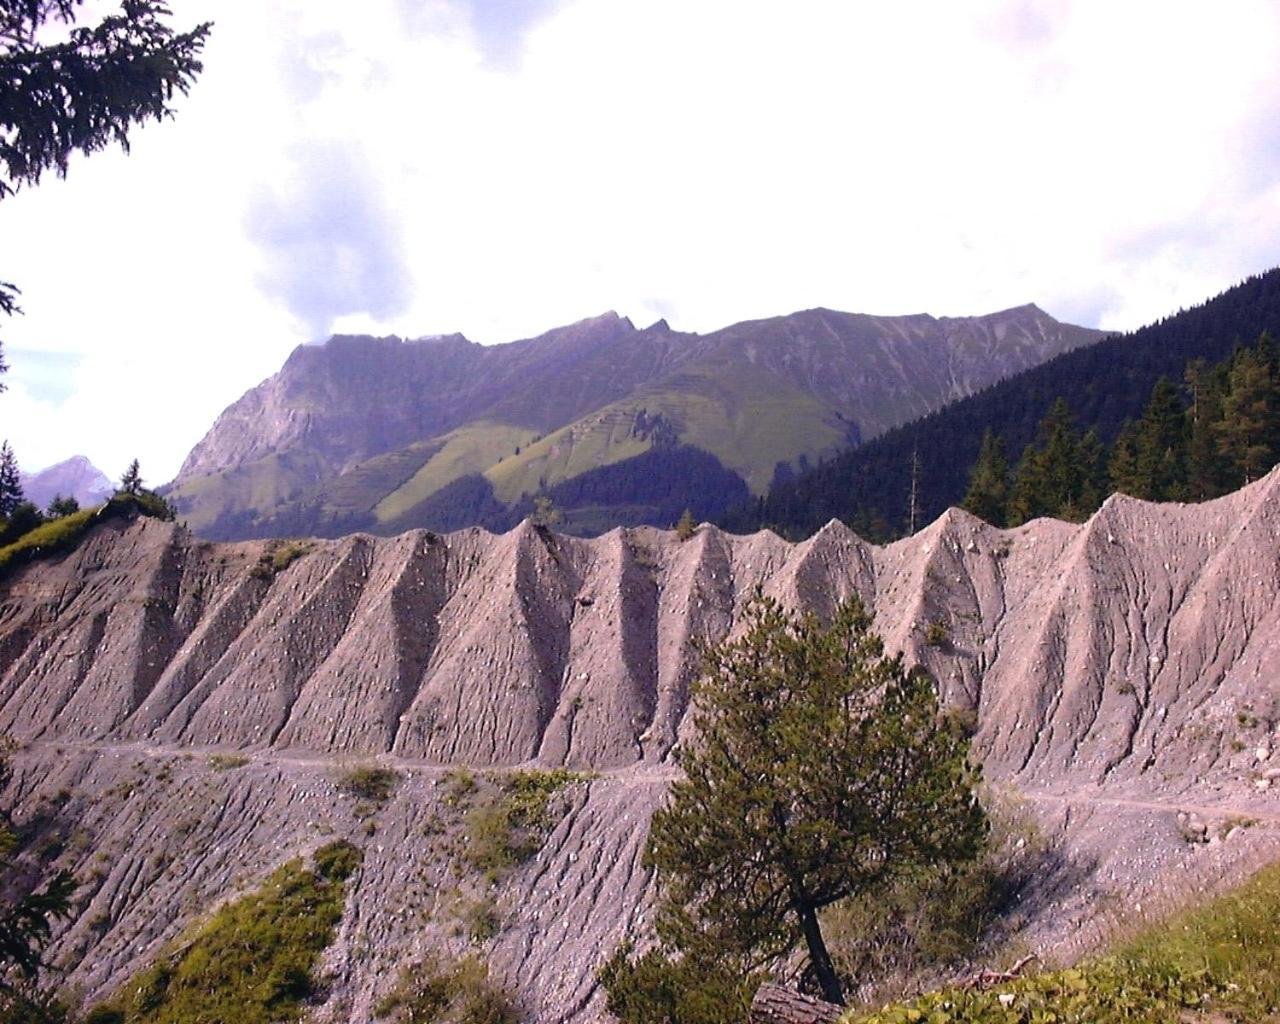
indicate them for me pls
(822, 769)
(83, 88)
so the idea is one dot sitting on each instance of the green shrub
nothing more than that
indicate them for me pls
(277, 557)
(370, 782)
(253, 962)
(460, 992)
(936, 634)
(658, 989)
(511, 826)
(338, 861)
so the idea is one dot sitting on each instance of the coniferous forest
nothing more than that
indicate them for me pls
(1101, 408)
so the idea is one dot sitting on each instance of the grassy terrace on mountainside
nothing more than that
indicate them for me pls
(1218, 963)
(750, 423)
(254, 961)
(471, 449)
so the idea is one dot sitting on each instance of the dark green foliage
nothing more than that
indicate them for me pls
(823, 769)
(1058, 475)
(988, 494)
(460, 992)
(253, 962)
(60, 507)
(1250, 425)
(87, 92)
(657, 988)
(131, 482)
(11, 495)
(25, 518)
(687, 526)
(62, 535)
(370, 782)
(338, 861)
(1103, 384)
(1160, 446)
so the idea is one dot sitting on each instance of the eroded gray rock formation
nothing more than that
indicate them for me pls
(1122, 672)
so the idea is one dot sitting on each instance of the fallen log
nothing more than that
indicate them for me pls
(774, 1004)
(984, 980)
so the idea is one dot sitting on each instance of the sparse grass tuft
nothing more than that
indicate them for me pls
(227, 762)
(511, 826)
(369, 782)
(460, 992)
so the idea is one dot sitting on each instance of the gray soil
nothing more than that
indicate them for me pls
(1123, 673)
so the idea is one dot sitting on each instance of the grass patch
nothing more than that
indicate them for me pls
(461, 992)
(254, 961)
(511, 825)
(1218, 963)
(369, 782)
(936, 634)
(227, 762)
(277, 557)
(58, 536)
(49, 538)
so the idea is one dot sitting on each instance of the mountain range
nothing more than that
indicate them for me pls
(616, 425)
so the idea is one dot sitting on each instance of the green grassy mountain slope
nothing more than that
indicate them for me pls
(382, 434)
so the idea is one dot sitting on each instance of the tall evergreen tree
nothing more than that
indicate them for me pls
(1206, 475)
(1247, 432)
(988, 495)
(10, 482)
(131, 482)
(1122, 465)
(1161, 450)
(821, 769)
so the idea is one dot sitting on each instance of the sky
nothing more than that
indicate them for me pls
(500, 167)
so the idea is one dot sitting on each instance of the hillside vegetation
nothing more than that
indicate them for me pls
(1215, 963)
(1104, 386)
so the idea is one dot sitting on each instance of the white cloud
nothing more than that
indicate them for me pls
(703, 160)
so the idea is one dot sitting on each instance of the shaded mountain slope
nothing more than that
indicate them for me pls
(1104, 385)
(1123, 673)
(365, 433)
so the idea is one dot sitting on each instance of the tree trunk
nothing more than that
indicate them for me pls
(820, 958)
(774, 1004)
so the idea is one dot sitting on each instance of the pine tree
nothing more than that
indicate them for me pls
(1161, 446)
(1246, 434)
(60, 507)
(822, 769)
(988, 496)
(10, 482)
(1206, 473)
(687, 526)
(1122, 464)
(131, 482)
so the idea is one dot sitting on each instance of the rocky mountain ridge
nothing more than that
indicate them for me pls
(367, 433)
(75, 477)
(1122, 674)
